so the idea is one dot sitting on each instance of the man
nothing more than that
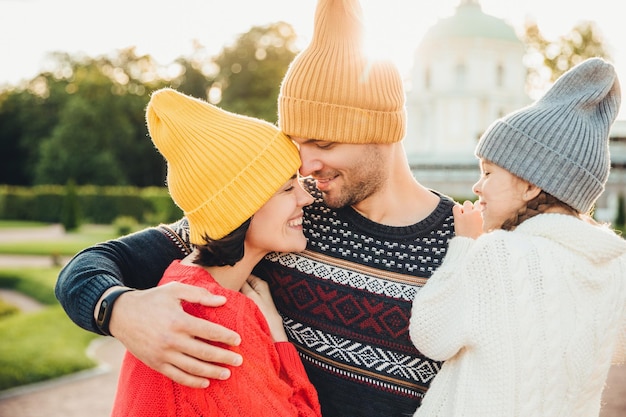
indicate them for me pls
(374, 234)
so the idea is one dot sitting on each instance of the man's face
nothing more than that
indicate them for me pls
(346, 174)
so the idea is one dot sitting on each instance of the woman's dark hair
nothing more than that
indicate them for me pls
(225, 251)
(537, 205)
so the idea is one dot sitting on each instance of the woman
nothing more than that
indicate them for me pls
(236, 180)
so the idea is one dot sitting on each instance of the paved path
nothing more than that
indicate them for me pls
(45, 233)
(85, 394)
(53, 231)
(91, 393)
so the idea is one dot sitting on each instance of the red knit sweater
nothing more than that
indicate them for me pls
(270, 382)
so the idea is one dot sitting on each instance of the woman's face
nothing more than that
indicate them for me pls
(501, 194)
(277, 226)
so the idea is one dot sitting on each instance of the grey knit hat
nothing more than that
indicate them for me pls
(560, 143)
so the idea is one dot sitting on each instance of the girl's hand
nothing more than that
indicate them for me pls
(467, 220)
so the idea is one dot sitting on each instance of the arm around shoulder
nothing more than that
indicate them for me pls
(137, 260)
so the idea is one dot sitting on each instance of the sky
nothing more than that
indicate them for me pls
(166, 29)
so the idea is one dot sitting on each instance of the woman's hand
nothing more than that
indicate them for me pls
(258, 290)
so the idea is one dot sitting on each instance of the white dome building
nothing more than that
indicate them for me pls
(467, 72)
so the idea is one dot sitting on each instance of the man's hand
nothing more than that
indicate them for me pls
(467, 220)
(153, 326)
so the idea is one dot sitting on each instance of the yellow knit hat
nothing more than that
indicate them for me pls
(222, 167)
(332, 92)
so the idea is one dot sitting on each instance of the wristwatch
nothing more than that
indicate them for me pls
(106, 308)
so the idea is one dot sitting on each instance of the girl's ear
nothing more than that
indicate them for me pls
(531, 192)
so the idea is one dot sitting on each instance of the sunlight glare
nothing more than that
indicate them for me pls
(389, 37)
(377, 48)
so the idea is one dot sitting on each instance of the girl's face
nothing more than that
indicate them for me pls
(500, 194)
(277, 226)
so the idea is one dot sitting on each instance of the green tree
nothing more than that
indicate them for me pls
(13, 169)
(99, 136)
(26, 116)
(134, 78)
(78, 148)
(251, 70)
(85, 118)
(547, 59)
(192, 80)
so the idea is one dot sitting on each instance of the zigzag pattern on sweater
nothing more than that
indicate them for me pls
(389, 287)
(347, 354)
(350, 323)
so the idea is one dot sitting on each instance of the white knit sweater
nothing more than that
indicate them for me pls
(527, 322)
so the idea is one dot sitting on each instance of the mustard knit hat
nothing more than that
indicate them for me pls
(332, 92)
(222, 167)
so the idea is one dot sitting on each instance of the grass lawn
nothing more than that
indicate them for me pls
(39, 345)
(11, 224)
(37, 283)
(45, 344)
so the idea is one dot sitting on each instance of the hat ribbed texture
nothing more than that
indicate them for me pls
(332, 92)
(222, 167)
(560, 143)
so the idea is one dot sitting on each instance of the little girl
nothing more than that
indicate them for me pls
(529, 315)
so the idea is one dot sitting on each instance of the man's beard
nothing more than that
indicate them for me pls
(359, 184)
(349, 194)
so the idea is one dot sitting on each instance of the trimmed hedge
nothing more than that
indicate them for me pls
(98, 205)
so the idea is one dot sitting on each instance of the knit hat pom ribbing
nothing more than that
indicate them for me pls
(222, 167)
(560, 143)
(332, 92)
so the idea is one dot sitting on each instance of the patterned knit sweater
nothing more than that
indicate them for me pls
(270, 382)
(527, 321)
(346, 301)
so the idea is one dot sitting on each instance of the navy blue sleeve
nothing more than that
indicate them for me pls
(137, 260)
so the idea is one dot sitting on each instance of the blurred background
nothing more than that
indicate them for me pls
(77, 166)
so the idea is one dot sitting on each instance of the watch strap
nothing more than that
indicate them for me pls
(106, 308)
